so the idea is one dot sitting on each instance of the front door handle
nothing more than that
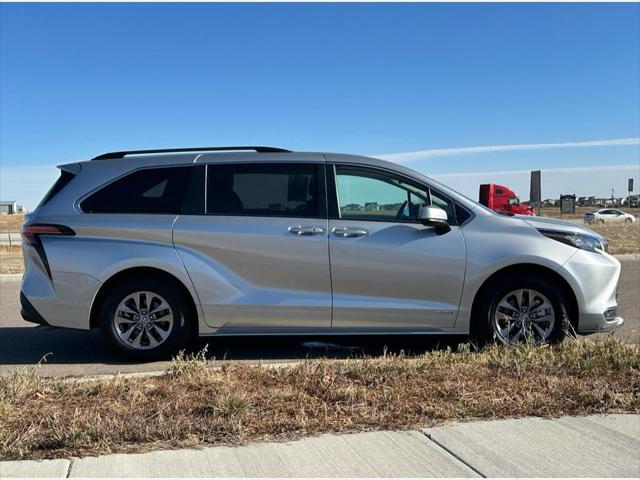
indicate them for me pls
(305, 230)
(350, 232)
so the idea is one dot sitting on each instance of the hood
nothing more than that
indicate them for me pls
(558, 225)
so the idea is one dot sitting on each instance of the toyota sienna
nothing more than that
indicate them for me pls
(154, 246)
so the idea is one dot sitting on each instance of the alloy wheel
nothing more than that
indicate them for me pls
(143, 320)
(524, 316)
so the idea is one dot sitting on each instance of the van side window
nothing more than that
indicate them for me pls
(370, 194)
(149, 190)
(264, 190)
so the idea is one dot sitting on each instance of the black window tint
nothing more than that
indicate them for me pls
(264, 189)
(193, 198)
(462, 214)
(150, 190)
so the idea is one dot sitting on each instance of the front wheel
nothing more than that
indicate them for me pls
(522, 310)
(628, 220)
(145, 318)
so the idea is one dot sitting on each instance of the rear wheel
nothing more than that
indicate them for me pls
(523, 309)
(145, 318)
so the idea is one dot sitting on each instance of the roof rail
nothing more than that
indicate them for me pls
(112, 155)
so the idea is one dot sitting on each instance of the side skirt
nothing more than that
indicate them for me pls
(223, 332)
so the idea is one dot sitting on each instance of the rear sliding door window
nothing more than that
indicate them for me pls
(150, 190)
(263, 189)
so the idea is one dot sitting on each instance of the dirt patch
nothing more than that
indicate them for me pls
(193, 404)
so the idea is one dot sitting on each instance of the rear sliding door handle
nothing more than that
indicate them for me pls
(349, 232)
(305, 230)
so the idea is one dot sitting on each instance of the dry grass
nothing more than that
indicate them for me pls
(622, 237)
(11, 255)
(580, 211)
(193, 404)
(11, 223)
(11, 259)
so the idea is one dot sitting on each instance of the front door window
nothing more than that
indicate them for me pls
(365, 194)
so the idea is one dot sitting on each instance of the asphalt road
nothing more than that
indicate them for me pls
(74, 352)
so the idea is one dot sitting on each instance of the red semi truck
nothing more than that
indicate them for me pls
(503, 200)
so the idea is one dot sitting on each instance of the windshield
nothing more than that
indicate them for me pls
(514, 201)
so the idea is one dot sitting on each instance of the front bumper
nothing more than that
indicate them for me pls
(594, 279)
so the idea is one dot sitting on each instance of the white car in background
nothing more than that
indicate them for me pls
(608, 215)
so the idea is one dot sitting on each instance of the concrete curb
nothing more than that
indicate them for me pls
(157, 373)
(591, 446)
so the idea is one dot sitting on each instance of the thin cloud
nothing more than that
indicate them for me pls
(593, 169)
(407, 157)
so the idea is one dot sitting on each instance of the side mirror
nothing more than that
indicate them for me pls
(431, 216)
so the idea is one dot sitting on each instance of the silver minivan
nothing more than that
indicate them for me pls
(154, 246)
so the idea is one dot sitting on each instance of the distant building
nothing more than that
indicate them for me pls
(9, 207)
(353, 207)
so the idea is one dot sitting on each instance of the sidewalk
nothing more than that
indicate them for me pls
(594, 446)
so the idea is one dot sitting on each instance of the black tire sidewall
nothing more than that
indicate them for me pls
(484, 329)
(179, 332)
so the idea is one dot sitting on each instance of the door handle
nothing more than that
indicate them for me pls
(349, 232)
(305, 230)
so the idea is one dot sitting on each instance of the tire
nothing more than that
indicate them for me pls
(145, 318)
(490, 313)
(600, 220)
(627, 220)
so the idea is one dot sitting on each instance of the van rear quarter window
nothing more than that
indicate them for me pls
(150, 190)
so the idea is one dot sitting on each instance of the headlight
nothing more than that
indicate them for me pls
(578, 240)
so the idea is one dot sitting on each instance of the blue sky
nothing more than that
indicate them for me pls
(80, 79)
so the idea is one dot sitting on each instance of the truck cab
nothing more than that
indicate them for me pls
(503, 200)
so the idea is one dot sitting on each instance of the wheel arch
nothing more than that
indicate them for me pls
(522, 268)
(94, 318)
